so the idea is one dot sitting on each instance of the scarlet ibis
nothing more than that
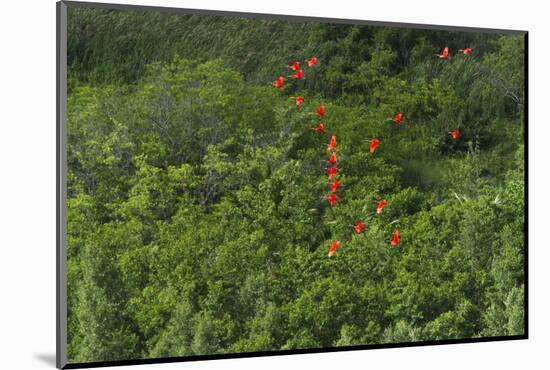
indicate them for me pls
(320, 128)
(444, 54)
(299, 74)
(331, 199)
(373, 144)
(331, 172)
(466, 51)
(299, 100)
(398, 118)
(395, 238)
(313, 61)
(279, 83)
(359, 227)
(295, 66)
(455, 134)
(321, 111)
(332, 159)
(335, 185)
(334, 247)
(332, 143)
(381, 206)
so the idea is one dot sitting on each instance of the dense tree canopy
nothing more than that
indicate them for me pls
(196, 218)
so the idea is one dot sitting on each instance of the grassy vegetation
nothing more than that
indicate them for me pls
(196, 219)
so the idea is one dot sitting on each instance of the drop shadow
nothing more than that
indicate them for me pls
(47, 358)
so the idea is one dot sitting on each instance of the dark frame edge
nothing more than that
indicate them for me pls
(239, 355)
(526, 184)
(61, 218)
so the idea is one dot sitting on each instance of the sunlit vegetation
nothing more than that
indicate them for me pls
(199, 213)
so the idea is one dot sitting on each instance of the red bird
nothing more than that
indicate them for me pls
(279, 83)
(332, 143)
(455, 134)
(295, 66)
(373, 144)
(444, 54)
(320, 128)
(465, 51)
(381, 206)
(331, 199)
(299, 74)
(334, 247)
(299, 100)
(335, 185)
(321, 111)
(359, 227)
(313, 61)
(331, 172)
(395, 238)
(332, 159)
(398, 118)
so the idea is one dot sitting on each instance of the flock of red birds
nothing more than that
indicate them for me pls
(332, 162)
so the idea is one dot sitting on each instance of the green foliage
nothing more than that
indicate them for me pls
(196, 219)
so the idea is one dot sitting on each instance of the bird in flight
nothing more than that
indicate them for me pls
(321, 111)
(295, 66)
(334, 247)
(398, 118)
(279, 83)
(320, 128)
(335, 185)
(313, 61)
(331, 172)
(359, 227)
(332, 159)
(444, 54)
(381, 206)
(331, 199)
(332, 143)
(299, 74)
(466, 51)
(395, 238)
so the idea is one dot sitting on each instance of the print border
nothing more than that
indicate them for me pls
(61, 193)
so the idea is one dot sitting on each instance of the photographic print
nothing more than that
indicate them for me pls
(241, 184)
